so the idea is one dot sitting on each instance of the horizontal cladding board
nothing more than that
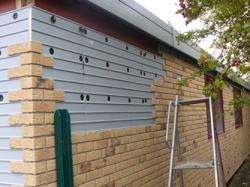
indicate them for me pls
(10, 85)
(14, 38)
(4, 75)
(3, 120)
(103, 52)
(94, 79)
(113, 116)
(11, 178)
(4, 166)
(73, 87)
(110, 125)
(68, 25)
(105, 73)
(64, 56)
(4, 144)
(14, 27)
(7, 63)
(8, 131)
(80, 40)
(10, 108)
(7, 18)
(5, 185)
(94, 107)
(104, 98)
(11, 154)
(101, 65)
(116, 76)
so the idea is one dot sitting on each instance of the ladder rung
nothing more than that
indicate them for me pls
(194, 164)
(194, 101)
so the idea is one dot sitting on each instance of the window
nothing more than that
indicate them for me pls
(218, 111)
(237, 112)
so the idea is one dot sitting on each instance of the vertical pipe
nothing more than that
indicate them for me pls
(170, 175)
(213, 142)
(168, 120)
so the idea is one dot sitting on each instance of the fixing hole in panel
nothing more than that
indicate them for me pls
(1, 98)
(107, 64)
(51, 51)
(15, 16)
(82, 30)
(81, 58)
(53, 19)
(88, 98)
(129, 100)
(109, 98)
(86, 60)
(81, 97)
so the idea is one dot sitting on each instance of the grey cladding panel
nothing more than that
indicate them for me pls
(106, 81)
(12, 30)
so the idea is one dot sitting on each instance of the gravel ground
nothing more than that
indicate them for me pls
(242, 176)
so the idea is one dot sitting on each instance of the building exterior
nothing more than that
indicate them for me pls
(115, 67)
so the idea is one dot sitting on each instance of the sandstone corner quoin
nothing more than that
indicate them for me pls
(114, 66)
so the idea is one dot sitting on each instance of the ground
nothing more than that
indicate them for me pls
(242, 176)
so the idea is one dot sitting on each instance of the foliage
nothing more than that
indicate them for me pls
(228, 21)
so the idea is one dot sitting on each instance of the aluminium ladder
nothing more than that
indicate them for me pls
(215, 163)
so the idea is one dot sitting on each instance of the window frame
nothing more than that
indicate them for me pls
(209, 78)
(237, 126)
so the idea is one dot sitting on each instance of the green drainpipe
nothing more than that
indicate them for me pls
(64, 169)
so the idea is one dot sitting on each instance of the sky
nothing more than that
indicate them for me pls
(166, 11)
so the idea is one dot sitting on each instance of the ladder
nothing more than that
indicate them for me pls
(180, 165)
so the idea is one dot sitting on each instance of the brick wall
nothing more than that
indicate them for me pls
(139, 156)
(37, 97)
(118, 157)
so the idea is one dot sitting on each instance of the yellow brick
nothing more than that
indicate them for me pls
(25, 47)
(93, 155)
(35, 58)
(28, 119)
(79, 179)
(38, 106)
(51, 165)
(53, 95)
(102, 181)
(38, 155)
(50, 141)
(37, 180)
(79, 158)
(37, 82)
(34, 131)
(28, 167)
(27, 70)
(94, 174)
(27, 143)
(88, 184)
(78, 137)
(49, 118)
(29, 94)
